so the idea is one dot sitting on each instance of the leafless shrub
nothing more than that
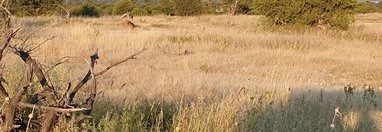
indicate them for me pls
(48, 100)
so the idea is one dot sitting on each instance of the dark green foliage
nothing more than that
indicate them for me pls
(86, 10)
(34, 7)
(107, 9)
(188, 7)
(164, 7)
(332, 13)
(141, 11)
(123, 6)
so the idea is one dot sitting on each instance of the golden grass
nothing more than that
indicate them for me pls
(199, 64)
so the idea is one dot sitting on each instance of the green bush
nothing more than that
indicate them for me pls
(188, 7)
(140, 12)
(332, 13)
(85, 10)
(34, 7)
(107, 9)
(366, 7)
(123, 6)
(164, 7)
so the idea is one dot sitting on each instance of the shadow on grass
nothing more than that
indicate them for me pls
(314, 110)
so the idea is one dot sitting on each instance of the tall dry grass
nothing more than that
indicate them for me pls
(218, 73)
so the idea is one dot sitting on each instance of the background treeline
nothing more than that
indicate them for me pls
(337, 14)
(92, 8)
(145, 8)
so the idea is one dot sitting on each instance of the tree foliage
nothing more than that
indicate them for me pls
(123, 6)
(188, 7)
(165, 7)
(367, 7)
(86, 10)
(34, 7)
(332, 13)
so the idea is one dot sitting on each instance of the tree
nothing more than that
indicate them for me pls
(188, 7)
(86, 10)
(123, 6)
(329, 13)
(165, 7)
(34, 7)
(366, 7)
(37, 92)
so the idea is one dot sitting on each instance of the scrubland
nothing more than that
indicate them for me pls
(216, 73)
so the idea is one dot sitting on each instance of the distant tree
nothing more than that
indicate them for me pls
(366, 7)
(188, 7)
(86, 10)
(123, 6)
(337, 14)
(165, 7)
(34, 7)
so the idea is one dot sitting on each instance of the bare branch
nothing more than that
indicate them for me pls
(81, 118)
(67, 11)
(7, 42)
(11, 107)
(120, 62)
(38, 45)
(93, 91)
(3, 92)
(29, 36)
(87, 77)
(56, 109)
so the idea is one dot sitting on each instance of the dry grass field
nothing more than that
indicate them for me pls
(217, 73)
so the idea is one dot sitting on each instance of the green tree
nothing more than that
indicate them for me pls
(332, 13)
(165, 7)
(123, 6)
(34, 7)
(188, 7)
(86, 10)
(366, 7)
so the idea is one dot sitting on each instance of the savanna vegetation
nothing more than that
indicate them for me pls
(274, 71)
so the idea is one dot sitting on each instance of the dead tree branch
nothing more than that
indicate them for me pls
(11, 107)
(233, 8)
(121, 61)
(56, 109)
(38, 45)
(87, 77)
(7, 35)
(53, 104)
(67, 11)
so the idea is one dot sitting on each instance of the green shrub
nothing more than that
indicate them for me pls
(107, 9)
(188, 7)
(85, 10)
(332, 13)
(140, 11)
(34, 7)
(123, 6)
(164, 7)
(366, 7)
